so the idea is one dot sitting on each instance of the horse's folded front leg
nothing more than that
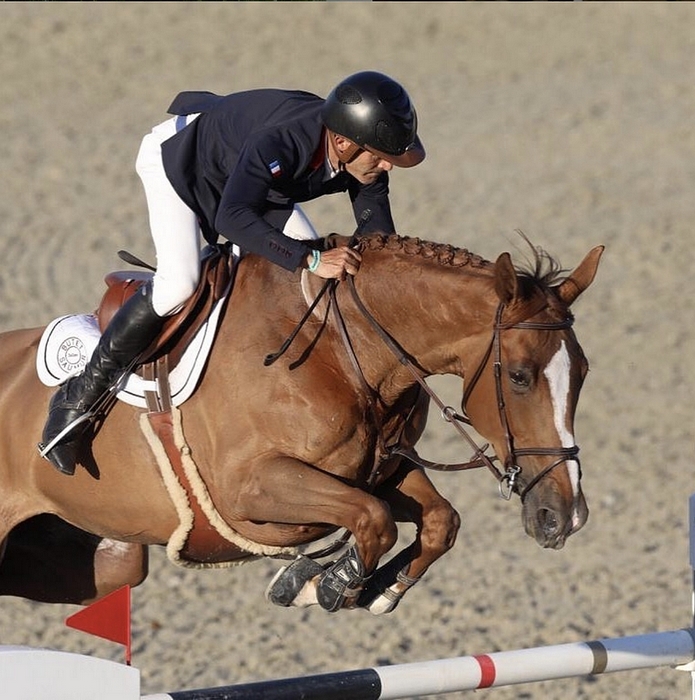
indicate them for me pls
(295, 493)
(413, 499)
(305, 582)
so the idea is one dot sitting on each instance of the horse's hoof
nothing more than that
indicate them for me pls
(287, 584)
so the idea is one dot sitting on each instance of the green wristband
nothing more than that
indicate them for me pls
(315, 260)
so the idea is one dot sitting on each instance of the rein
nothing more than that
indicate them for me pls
(480, 458)
(507, 479)
(328, 285)
(270, 358)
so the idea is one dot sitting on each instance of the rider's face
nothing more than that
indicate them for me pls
(366, 167)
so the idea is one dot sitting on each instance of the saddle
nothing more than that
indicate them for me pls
(216, 272)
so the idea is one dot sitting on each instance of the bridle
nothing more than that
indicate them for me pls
(509, 478)
(512, 468)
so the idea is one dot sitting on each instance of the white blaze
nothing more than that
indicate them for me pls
(557, 373)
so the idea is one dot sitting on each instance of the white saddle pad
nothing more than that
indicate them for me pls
(68, 342)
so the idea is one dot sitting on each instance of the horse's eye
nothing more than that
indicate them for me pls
(519, 378)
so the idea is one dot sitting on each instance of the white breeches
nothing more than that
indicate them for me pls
(174, 227)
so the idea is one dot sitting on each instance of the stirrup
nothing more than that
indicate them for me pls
(91, 414)
(44, 449)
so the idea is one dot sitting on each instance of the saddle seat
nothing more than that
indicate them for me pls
(216, 273)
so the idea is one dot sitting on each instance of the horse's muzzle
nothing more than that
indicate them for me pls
(550, 525)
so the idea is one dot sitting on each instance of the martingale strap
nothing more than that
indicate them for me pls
(202, 539)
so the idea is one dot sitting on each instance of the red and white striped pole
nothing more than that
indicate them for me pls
(675, 648)
(496, 669)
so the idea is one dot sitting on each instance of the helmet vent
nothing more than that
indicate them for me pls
(396, 100)
(385, 137)
(390, 91)
(348, 95)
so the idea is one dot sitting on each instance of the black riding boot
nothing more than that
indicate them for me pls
(132, 329)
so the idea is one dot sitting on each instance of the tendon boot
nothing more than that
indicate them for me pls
(342, 582)
(132, 329)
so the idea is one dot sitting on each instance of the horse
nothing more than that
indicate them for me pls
(321, 437)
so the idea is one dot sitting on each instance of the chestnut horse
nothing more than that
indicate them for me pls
(323, 438)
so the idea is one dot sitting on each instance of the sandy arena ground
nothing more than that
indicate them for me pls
(570, 121)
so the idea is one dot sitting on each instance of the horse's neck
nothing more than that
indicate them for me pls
(437, 314)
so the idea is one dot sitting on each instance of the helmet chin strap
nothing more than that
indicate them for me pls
(347, 155)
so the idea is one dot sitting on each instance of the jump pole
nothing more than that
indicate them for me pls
(501, 668)
(691, 528)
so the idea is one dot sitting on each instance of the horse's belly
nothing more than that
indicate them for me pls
(281, 534)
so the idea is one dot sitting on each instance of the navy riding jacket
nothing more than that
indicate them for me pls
(249, 157)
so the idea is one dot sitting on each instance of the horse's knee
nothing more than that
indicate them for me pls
(441, 524)
(375, 529)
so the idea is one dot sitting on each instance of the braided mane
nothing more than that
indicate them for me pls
(542, 270)
(537, 276)
(443, 253)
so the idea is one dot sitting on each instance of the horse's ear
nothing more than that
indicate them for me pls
(506, 283)
(581, 277)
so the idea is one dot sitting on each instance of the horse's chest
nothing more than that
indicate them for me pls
(345, 427)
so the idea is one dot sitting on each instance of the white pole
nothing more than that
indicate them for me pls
(542, 663)
(691, 521)
(691, 525)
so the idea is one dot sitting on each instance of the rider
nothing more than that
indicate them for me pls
(236, 166)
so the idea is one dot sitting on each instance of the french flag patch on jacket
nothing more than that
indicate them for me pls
(275, 169)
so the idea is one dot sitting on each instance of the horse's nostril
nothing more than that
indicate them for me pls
(548, 521)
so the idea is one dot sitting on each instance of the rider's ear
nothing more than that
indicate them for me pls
(506, 282)
(581, 277)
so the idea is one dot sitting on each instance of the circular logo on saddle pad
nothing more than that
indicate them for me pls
(72, 355)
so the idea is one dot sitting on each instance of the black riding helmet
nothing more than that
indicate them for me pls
(375, 112)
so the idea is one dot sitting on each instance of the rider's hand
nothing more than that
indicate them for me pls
(336, 263)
